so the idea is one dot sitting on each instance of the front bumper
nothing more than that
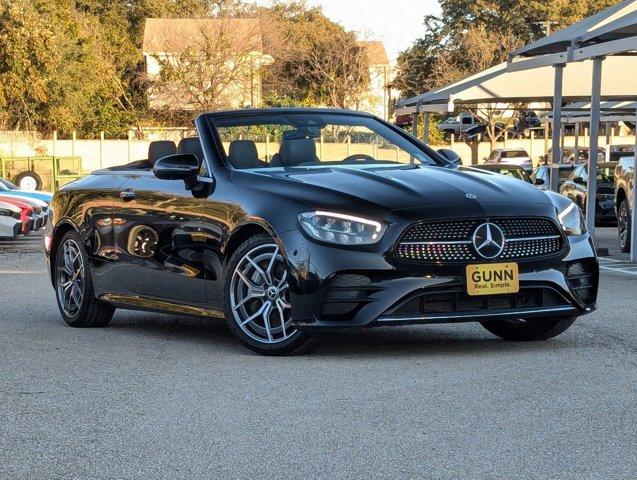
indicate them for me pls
(382, 291)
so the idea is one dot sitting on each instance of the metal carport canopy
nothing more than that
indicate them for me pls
(498, 85)
(608, 32)
(612, 31)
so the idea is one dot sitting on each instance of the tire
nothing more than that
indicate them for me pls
(624, 226)
(262, 295)
(28, 180)
(530, 330)
(77, 302)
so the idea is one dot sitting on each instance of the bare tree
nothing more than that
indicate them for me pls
(207, 64)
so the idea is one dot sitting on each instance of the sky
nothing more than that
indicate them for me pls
(396, 22)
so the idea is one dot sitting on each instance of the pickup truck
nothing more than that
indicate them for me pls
(459, 124)
(624, 184)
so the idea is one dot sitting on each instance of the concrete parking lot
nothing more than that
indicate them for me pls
(155, 396)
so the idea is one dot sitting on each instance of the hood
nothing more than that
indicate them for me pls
(392, 188)
(41, 196)
(9, 206)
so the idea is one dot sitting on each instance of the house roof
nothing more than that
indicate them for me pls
(174, 35)
(375, 52)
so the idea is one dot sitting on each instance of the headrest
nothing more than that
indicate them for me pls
(191, 145)
(160, 149)
(243, 154)
(297, 151)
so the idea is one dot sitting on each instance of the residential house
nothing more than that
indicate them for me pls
(377, 100)
(203, 64)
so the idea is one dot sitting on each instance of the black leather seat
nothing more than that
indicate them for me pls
(191, 145)
(160, 149)
(243, 154)
(295, 152)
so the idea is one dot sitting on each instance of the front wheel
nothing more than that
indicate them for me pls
(74, 286)
(529, 330)
(257, 300)
(624, 226)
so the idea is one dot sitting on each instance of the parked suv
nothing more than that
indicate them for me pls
(568, 156)
(624, 184)
(575, 187)
(511, 156)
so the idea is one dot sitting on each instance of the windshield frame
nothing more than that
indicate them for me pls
(219, 117)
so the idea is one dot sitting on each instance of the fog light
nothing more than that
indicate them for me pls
(47, 242)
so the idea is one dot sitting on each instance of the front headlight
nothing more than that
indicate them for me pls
(341, 229)
(572, 220)
(568, 213)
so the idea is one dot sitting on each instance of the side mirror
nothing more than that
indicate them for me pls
(181, 166)
(450, 155)
(579, 181)
(538, 181)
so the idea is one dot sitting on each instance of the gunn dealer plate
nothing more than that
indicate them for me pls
(492, 278)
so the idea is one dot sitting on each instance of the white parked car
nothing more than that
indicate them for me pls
(511, 156)
(10, 223)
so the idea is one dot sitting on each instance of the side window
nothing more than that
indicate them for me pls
(581, 173)
(467, 120)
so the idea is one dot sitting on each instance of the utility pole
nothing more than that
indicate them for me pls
(547, 26)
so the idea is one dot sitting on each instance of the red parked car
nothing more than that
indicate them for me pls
(26, 215)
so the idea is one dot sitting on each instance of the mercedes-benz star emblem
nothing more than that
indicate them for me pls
(488, 240)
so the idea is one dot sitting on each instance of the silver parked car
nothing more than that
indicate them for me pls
(511, 156)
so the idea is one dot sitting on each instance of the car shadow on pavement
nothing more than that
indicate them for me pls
(377, 342)
(429, 341)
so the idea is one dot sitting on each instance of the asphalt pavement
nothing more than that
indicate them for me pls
(156, 396)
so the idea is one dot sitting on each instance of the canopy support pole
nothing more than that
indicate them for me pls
(576, 149)
(556, 153)
(414, 124)
(591, 186)
(633, 237)
(425, 135)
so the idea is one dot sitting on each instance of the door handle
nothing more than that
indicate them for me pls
(127, 195)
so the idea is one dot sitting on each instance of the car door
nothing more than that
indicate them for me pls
(157, 225)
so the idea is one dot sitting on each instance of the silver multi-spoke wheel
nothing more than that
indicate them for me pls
(70, 278)
(260, 297)
(623, 226)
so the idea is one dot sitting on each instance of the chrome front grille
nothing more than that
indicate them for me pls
(451, 241)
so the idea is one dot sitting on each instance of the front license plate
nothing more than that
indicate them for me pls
(493, 278)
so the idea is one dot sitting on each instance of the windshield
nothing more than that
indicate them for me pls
(520, 174)
(7, 185)
(314, 140)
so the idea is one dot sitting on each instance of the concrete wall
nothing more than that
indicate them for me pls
(96, 154)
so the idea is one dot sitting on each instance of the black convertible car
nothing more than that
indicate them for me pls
(292, 222)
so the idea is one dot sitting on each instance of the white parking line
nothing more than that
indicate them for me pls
(618, 266)
(22, 272)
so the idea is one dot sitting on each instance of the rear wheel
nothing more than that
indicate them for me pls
(257, 300)
(624, 226)
(532, 329)
(74, 286)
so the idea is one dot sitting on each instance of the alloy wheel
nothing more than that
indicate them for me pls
(70, 278)
(260, 297)
(623, 224)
